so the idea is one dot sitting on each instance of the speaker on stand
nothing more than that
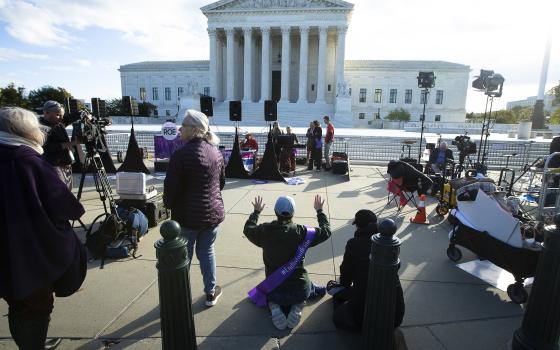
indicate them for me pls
(270, 111)
(206, 106)
(268, 170)
(234, 167)
(133, 160)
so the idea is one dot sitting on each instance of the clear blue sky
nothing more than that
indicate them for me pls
(80, 44)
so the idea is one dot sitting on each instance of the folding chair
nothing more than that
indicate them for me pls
(398, 194)
(405, 180)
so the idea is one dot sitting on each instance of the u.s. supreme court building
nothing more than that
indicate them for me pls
(292, 51)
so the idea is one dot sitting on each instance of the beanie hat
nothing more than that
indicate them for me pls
(52, 106)
(285, 206)
(364, 217)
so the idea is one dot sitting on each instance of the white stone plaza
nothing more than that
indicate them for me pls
(293, 52)
(446, 308)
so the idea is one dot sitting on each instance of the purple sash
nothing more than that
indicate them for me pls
(258, 294)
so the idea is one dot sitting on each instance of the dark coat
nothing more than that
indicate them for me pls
(317, 136)
(410, 176)
(193, 184)
(56, 135)
(38, 247)
(435, 154)
(354, 273)
(279, 242)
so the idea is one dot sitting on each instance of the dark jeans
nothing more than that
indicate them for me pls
(343, 317)
(292, 297)
(29, 319)
(316, 155)
(348, 318)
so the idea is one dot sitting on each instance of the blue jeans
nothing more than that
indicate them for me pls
(292, 297)
(204, 241)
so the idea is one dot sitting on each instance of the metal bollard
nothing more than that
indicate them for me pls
(541, 322)
(379, 315)
(175, 301)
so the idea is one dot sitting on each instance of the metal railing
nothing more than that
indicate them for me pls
(378, 149)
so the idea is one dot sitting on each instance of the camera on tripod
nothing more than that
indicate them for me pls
(464, 145)
(90, 128)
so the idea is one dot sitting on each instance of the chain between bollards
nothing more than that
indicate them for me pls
(379, 315)
(541, 322)
(175, 300)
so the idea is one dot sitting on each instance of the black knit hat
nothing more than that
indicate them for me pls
(364, 217)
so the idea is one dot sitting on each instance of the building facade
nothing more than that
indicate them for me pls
(530, 102)
(292, 51)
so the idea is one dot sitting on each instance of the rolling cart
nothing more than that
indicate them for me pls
(520, 262)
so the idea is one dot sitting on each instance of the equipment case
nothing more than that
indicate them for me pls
(153, 208)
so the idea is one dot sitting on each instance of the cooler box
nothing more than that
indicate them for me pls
(131, 183)
(150, 193)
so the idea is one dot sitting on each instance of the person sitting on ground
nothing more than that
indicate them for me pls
(349, 296)
(249, 143)
(439, 156)
(284, 244)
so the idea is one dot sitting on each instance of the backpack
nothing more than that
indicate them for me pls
(118, 235)
(107, 232)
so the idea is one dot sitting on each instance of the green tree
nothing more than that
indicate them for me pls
(555, 117)
(556, 90)
(504, 117)
(146, 108)
(115, 107)
(12, 96)
(522, 113)
(398, 114)
(47, 93)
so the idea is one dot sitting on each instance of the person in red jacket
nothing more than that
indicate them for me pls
(250, 143)
(329, 138)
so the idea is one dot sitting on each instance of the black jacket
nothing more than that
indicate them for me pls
(354, 273)
(55, 136)
(435, 154)
(410, 176)
(279, 242)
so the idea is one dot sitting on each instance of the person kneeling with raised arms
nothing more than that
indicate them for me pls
(284, 245)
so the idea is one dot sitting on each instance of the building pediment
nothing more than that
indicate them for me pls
(260, 5)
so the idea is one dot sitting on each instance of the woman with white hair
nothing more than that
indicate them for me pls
(192, 190)
(39, 251)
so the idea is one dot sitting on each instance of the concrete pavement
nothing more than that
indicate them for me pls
(445, 307)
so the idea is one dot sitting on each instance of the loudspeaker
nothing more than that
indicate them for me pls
(270, 111)
(75, 108)
(235, 111)
(206, 105)
(130, 106)
(98, 107)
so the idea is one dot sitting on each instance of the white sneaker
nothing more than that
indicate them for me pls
(295, 315)
(278, 318)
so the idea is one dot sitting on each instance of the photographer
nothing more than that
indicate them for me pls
(57, 144)
(39, 252)
(439, 156)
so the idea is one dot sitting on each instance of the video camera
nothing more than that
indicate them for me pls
(464, 145)
(90, 128)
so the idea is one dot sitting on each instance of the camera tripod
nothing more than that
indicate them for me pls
(102, 186)
(465, 163)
